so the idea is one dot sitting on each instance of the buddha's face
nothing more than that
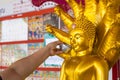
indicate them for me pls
(78, 40)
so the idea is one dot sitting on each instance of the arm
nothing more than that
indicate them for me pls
(23, 67)
(62, 72)
(101, 70)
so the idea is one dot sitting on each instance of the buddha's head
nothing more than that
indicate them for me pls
(82, 35)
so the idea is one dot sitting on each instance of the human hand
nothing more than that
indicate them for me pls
(52, 48)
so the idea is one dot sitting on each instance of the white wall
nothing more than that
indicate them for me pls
(110, 75)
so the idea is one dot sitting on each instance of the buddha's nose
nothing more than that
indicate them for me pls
(72, 41)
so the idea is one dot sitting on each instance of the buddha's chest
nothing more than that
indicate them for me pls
(77, 65)
(71, 65)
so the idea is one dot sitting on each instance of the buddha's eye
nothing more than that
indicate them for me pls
(77, 37)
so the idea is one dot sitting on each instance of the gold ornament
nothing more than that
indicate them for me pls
(94, 37)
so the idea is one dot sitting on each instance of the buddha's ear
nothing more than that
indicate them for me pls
(91, 42)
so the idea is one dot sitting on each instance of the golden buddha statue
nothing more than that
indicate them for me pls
(94, 37)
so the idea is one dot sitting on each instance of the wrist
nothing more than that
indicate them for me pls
(47, 50)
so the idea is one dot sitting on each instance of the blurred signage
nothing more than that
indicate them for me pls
(22, 6)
